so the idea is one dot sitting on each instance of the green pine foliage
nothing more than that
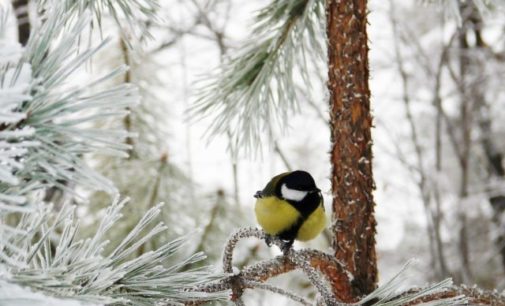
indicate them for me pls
(254, 91)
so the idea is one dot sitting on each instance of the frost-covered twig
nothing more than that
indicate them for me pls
(300, 259)
(263, 286)
(315, 278)
(232, 243)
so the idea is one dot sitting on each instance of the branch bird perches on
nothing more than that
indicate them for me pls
(330, 278)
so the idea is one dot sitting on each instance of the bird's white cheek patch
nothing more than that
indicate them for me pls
(292, 194)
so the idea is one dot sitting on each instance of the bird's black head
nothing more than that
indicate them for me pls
(296, 185)
(299, 180)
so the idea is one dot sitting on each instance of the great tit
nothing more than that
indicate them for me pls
(291, 207)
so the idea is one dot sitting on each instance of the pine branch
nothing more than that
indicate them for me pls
(52, 111)
(46, 121)
(256, 87)
(162, 181)
(80, 268)
(129, 15)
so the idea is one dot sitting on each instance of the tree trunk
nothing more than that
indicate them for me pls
(351, 152)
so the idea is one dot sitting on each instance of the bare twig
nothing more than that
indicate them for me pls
(437, 102)
(421, 181)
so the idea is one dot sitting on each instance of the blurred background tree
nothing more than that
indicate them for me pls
(447, 70)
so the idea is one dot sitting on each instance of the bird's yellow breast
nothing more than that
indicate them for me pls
(315, 224)
(275, 215)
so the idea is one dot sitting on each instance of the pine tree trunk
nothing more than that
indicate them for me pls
(351, 153)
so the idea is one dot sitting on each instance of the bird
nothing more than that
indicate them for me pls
(290, 207)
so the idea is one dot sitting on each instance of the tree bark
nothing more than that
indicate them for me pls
(351, 152)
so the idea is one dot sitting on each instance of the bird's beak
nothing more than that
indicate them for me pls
(258, 194)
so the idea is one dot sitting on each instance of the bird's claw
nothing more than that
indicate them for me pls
(268, 240)
(286, 246)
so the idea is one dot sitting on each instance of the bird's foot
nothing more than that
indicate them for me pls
(286, 246)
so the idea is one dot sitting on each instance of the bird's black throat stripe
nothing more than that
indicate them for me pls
(305, 207)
